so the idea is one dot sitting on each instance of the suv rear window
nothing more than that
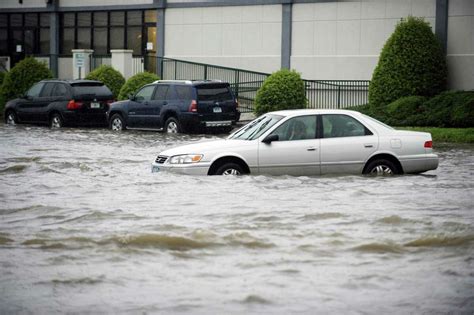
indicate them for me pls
(92, 89)
(214, 93)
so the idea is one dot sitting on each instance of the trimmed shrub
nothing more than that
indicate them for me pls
(411, 63)
(21, 77)
(406, 111)
(449, 109)
(2, 76)
(284, 89)
(113, 79)
(136, 82)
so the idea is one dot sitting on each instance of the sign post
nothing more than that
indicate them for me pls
(80, 63)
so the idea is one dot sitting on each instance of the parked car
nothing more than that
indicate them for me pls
(60, 102)
(177, 106)
(306, 142)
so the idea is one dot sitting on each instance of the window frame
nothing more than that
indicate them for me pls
(367, 130)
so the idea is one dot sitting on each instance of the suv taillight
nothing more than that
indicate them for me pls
(110, 102)
(74, 105)
(428, 144)
(193, 107)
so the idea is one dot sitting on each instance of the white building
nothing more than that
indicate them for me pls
(322, 39)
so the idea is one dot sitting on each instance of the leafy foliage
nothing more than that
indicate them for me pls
(449, 109)
(21, 77)
(411, 63)
(135, 82)
(405, 111)
(284, 89)
(113, 79)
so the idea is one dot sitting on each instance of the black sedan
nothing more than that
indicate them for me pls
(61, 103)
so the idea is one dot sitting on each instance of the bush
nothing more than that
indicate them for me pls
(2, 76)
(113, 79)
(136, 82)
(449, 109)
(21, 77)
(406, 111)
(411, 63)
(284, 89)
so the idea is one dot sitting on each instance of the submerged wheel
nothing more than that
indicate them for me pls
(230, 169)
(172, 125)
(117, 123)
(381, 167)
(10, 118)
(56, 121)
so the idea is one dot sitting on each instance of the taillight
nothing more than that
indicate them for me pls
(193, 107)
(110, 102)
(428, 144)
(236, 104)
(72, 105)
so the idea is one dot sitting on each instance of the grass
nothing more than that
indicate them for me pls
(452, 135)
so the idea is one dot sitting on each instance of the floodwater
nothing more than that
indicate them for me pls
(85, 227)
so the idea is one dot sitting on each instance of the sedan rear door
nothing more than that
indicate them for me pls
(296, 152)
(346, 144)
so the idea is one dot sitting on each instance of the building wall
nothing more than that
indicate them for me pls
(75, 3)
(13, 4)
(343, 39)
(246, 37)
(460, 51)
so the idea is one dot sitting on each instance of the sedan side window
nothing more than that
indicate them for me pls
(145, 93)
(335, 126)
(298, 128)
(35, 90)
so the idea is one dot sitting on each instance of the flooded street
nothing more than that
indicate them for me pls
(86, 227)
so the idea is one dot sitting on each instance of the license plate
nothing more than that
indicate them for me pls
(155, 169)
(217, 110)
(95, 105)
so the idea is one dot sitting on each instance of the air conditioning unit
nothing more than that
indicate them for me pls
(4, 63)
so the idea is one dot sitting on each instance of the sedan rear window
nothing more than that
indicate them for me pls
(213, 93)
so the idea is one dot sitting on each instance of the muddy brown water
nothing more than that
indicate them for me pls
(86, 227)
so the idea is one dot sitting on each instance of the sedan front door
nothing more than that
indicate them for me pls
(296, 152)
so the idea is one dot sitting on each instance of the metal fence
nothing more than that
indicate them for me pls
(245, 84)
(99, 60)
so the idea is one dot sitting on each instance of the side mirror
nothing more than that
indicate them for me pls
(270, 138)
(131, 97)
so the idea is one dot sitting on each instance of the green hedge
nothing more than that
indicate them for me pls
(135, 82)
(109, 76)
(21, 77)
(405, 111)
(411, 63)
(284, 89)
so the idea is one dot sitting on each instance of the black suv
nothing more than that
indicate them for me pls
(60, 102)
(177, 106)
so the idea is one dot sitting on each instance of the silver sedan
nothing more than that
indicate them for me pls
(306, 142)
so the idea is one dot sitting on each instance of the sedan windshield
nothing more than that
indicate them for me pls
(256, 128)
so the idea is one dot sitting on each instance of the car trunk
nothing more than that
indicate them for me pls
(215, 102)
(95, 97)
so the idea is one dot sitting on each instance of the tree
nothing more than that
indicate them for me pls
(412, 62)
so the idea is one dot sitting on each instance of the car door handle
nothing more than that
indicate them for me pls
(367, 145)
(311, 149)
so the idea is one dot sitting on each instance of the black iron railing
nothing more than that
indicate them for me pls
(245, 84)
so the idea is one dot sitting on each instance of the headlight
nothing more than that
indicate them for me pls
(185, 159)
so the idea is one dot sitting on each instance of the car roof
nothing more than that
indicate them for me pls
(72, 82)
(190, 82)
(299, 112)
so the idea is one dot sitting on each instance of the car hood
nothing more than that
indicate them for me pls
(208, 147)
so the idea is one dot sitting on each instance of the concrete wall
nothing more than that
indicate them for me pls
(13, 4)
(246, 37)
(75, 3)
(343, 39)
(461, 44)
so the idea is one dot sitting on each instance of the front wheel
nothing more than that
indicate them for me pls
(230, 169)
(381, 167)
(10, 118)
(172, 125)
(117, 123)
(56, 121)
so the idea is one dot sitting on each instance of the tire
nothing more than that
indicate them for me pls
(10, 118)
(230, 169)
(172, 125)
(56, 121)
(117, 123)
(381, 167)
